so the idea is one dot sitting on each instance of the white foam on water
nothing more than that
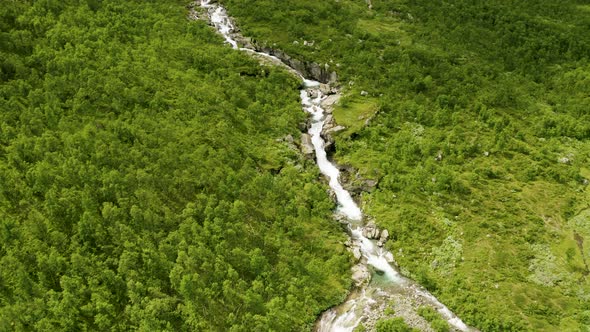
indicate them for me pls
(346, 205)
(221, 21)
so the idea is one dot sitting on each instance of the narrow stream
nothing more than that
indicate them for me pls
(383, 283)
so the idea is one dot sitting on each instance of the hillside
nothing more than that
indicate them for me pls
(148, 181)
(474, 120)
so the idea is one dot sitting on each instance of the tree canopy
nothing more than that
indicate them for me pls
(476, 125)
(144, 180)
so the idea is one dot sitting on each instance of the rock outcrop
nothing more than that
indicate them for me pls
(389, 257)
(371, 231)
(328, 90)
(313, 70)
(330, 127)
(307, 146)
(383, 238)
(360, 275)
(329, 102)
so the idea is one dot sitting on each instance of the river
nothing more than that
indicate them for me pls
(383, 286)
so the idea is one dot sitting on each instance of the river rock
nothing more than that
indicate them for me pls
(328, 142)
(389, 257)
(306, 145)
(370, 231)
(330, 101)
(360, 275)
(328, 123)
(316, 70)
(384, 235)
(333, 77)
(383, 238)
(356, 252)
(329, 126)
(328, 90)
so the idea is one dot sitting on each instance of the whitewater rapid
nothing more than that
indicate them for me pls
(348, 315)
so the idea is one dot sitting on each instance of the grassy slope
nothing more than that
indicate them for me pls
(496, 227)
(144, 184)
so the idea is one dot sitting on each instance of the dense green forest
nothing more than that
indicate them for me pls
(476, 125)
(144, 180)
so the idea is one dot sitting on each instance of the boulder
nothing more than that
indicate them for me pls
(325, 88)
(356, 252)
(328, 142)
(333, 77)
(389, 257)
(360, 275)
(376, 233)
(328, 122)
(313, 93)
(306, 145)
(316, 71)
(329, 127)
(370, 231)
(367, 185)
(330, 101)
(384, 236)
